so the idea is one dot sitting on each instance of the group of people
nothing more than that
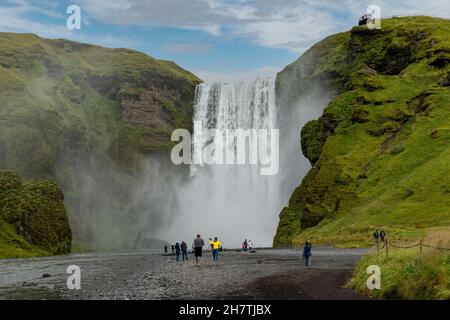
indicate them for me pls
(307, 248)
(247, 245)
(377, 236)
(215, 245)
(181, 249)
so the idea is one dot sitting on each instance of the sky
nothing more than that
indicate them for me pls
(218, 40)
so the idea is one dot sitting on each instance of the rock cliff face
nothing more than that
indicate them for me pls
(380, 151)
(89, 118)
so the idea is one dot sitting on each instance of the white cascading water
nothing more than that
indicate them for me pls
(235, 202)
(232, 202)
(232, 106)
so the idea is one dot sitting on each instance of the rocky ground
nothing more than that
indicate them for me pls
(266, 274)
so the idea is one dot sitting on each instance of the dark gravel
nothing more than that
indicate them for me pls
(266, 274)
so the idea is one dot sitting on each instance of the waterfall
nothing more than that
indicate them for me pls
(229, 107)
(234, 202)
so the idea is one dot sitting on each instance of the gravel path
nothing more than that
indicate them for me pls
(266, 274)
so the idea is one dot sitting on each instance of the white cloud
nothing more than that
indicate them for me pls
(14, 19)
(291, 24)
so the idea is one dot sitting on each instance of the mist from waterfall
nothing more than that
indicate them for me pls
(235, 202)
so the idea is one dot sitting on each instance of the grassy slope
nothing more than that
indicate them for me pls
(54, 89)
(66, 106)
(382, 145)
(407, 273)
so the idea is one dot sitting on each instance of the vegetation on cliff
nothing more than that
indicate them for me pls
(380, 152)
(33, 218)
(88, 117)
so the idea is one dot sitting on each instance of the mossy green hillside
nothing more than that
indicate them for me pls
(87, 117)
(59, 96)
(380, 152)
(33, 218)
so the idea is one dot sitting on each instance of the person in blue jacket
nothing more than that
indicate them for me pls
(307, 253)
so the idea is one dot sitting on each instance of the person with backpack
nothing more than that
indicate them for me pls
(215, 246)
(376, 236)
(307, 253)
(177, 250)
(184, 252)
(198, 247)
(382, 235)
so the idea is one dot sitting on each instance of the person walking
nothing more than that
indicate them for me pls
(177, 250)
(198, 247)
(382, 235)
(215, 246)
(173, 249)
(376, 236)
(245, 245)
(307, 253)
(184, 252)
(250, 245)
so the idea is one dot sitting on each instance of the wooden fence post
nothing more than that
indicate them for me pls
(387, 249)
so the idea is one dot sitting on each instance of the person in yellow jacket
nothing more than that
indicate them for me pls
(215, 245)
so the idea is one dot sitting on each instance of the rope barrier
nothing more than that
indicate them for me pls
(401, 247)
(413, 246)
(439, 248)
(421, 244)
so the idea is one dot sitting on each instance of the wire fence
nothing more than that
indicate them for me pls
(387, 243)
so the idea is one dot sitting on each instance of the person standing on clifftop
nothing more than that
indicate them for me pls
(307, 253)
(198, 247)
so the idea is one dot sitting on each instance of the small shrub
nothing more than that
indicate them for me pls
(398, 148)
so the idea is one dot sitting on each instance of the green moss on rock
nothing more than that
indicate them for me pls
(383, 134)
(34, 212)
